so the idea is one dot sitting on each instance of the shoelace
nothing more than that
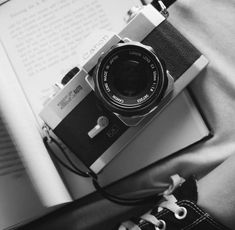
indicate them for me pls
(168, 202)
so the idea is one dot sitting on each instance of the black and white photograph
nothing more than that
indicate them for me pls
(117, 115)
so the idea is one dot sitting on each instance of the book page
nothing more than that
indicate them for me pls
(38, 40)
(18, 199)
(23, 129)
(41, 38)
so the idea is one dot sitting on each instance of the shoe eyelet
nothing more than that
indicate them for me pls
(181, 213)
(161, 226)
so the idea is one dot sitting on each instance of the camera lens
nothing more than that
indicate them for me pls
(130, 80)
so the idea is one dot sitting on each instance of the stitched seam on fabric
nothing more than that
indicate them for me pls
(217, 224)
(193, 206)
(204, 218)
(194, 223)
(166, 211)
(214, 223)
(205, 215)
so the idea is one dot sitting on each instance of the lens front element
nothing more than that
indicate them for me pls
(127, 78)
(130, 80)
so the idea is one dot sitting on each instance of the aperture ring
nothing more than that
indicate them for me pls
(130, 94)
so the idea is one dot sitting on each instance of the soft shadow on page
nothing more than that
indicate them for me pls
(38, 46)
(24, 131)
(18, 198)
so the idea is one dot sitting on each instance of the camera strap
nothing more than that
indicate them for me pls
(160, 5)
(68, 163)
(157, 4)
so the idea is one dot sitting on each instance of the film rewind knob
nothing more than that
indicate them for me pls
(102, 123)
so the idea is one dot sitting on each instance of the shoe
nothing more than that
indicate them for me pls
(177, 209)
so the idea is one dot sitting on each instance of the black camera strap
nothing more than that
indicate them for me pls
(69, 165)
(157, 4)
(160, 5)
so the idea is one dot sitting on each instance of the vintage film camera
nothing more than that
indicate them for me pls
(123, 82)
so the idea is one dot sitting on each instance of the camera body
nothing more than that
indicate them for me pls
(123, 82)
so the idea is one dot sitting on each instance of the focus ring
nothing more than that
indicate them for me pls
(130, 79)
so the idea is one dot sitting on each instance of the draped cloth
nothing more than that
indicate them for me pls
(209, 25)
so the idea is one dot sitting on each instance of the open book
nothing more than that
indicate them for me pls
(38, 41)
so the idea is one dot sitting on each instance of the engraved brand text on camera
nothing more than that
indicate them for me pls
(95, 47)
(69, 97)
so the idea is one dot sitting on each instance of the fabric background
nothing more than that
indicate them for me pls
(209, 25)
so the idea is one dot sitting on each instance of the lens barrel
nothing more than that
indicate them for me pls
(130, 79)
